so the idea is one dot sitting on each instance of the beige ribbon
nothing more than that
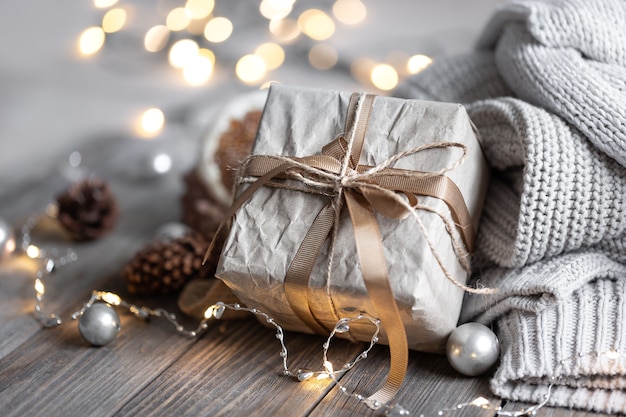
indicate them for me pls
(365, 190)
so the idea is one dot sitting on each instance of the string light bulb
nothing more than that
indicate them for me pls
(323, 56)
(272, 54)
(349, 12)
(250, 69)
(91, 40)
(114, 20)
(33, 252)
(7, 240)
(156, 38)
(218, 29)
(40, 289)
(199, 9)
(384, 77)
(177, 19)
(316, 24)
(110, 298)
(182, 52)
(284, 30)
(104, 4)
(417, 63)
(276, 9)
(207, 53)
(198, 70)
(151, 122)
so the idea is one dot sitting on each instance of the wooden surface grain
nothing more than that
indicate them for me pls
(231, 370)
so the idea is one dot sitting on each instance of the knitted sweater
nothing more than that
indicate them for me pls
(547, 91)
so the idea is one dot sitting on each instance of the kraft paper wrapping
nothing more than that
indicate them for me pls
(267, 231)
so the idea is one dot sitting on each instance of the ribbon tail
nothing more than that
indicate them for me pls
(299, 272)
(374, 271)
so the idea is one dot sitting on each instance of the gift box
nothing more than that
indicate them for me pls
(356, 204)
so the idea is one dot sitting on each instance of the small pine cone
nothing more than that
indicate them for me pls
(164, 267)
(87, 209)
(200, 211)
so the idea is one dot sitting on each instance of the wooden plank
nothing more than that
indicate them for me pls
(98, 261)
(55, 373)
(237, 372)
(430, 387)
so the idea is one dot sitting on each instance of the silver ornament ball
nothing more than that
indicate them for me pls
(472, 349)
(99, 324)
(7, 239)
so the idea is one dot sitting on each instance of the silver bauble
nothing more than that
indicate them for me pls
(472, 349)
(99, 324)
(7, 240)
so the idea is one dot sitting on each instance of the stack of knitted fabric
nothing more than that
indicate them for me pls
(547, 91)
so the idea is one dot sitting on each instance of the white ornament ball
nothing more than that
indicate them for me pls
(472, 349)
(7, 240)
(99, 324)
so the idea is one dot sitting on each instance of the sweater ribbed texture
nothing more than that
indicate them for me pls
(547, 92)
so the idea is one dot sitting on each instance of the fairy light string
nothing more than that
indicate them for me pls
(49, 263)
(46, 265)
(190, 32)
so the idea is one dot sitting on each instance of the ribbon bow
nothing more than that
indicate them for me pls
(365, 190)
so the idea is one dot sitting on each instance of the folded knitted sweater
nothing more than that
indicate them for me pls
(547, 91)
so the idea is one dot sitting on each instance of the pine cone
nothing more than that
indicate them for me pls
(87, 209)
(200, 211)
(235, 145)
(164, 267)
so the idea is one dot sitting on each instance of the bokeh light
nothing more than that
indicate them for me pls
(182, 52)
(156, 38)
(272, 53)
(417, 63)
(34, 252)
(323, 56)
(91, 40)
(316, 24)
(152, 122)
(384, 77)
(199, 9)
(207, 53)
(198, 70)
(284, 30)
(177, 19)
(250, 69)
(361, 70)
(218, 29)
(162, 163)
(196, 26)
(276, 9)
(103, 4)
(349, 12)
(114, 20)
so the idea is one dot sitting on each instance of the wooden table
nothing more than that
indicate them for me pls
(231, 370)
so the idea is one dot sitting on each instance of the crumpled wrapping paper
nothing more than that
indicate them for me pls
(267, 231)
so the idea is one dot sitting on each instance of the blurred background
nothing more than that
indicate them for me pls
(80, 74)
